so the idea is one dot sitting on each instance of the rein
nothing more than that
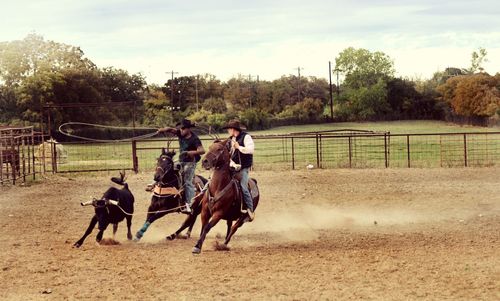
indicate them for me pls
(213, 199)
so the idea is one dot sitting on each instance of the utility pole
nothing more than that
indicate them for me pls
(331, 89)
(196, 91)
(298, 85)
(172, 87)
(338, 88)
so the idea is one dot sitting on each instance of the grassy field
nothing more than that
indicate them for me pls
(395, 127)
(331, 152)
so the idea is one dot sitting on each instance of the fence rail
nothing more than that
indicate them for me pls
(17, 154)
(321, 150)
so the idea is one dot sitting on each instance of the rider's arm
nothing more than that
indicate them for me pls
(167, 130)
(249, 145)
(199, 151)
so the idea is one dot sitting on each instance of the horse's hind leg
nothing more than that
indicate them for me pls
(235, 227)
(188, 222)
(229, 225)
(91, 227)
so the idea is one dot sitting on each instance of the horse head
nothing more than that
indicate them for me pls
(217, 155)
(164, 166)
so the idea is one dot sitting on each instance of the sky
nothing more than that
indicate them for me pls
(261, 38)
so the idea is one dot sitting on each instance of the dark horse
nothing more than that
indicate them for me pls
(167, 194)
(223, 199)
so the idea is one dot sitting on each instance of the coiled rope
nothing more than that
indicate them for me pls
(62, 131)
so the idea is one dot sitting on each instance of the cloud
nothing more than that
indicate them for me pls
(268, 38)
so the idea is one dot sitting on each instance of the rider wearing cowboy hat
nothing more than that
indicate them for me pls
(191, 149)
(242, 149)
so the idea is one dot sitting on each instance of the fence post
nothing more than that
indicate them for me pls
(350, 152)
(54, 157)
(13, 161)
(293, 155)
(465, 149)
(317, 151)
(385, 150)
(1, 160)
(408, 148)
(135, 162)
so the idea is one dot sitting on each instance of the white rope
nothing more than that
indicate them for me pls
(110, 127)
(148, 212)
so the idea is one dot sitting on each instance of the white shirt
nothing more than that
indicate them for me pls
(249, 145)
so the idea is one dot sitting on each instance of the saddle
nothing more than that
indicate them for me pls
(239, 201)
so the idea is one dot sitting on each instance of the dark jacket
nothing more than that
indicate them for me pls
(246, 160)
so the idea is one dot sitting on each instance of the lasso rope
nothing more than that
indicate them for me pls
(148, 212)
(61, 130)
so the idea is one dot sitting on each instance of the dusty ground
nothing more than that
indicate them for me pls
(396, 234)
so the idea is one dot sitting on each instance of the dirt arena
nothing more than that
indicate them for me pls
(395, 234)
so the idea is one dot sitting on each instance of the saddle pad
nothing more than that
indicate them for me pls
(161, 191)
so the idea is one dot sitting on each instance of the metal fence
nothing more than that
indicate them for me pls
(318, 150)
(17, 154)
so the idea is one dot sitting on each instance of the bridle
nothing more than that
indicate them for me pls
(164, 171)
(215, 156)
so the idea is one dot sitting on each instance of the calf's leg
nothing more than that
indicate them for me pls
(91, 227)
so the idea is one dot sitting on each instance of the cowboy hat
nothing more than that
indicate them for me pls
(234, 124)
(185, 123)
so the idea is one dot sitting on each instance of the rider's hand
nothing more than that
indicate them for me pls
(236, 145)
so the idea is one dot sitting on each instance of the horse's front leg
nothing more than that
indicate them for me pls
(149, 220)
(205, 229)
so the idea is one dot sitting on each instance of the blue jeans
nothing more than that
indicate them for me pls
(244, 188)
(188, 169)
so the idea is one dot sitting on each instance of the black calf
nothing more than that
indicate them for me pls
(107, 212)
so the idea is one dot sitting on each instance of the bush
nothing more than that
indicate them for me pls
(308, 110)
(255, 119)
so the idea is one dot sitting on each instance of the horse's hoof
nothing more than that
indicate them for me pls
(136, 239)
(196, 250)
(171, 237)
(77, 245)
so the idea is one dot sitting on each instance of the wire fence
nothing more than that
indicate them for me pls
(18, 152)
(285, 152)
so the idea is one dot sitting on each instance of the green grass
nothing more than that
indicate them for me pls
(395, 127)
(276, 153)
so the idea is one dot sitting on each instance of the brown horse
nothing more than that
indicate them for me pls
(223, 198)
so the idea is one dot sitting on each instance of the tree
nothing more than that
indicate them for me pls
(472, 95)
(214, 105)
(32, 55)
(365, 103)
(363, 68)
(477, 60)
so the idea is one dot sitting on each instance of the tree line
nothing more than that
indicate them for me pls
(37, 75)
